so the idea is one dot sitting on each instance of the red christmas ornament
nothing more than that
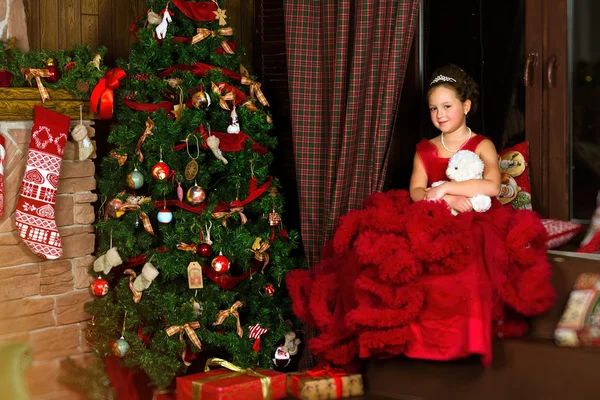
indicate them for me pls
(53, 70)
(204, 250)
(269, 289)
(6, 78)
(99, 287)
(220, 264)
(160, 170)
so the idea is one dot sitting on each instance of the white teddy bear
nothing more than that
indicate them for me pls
(463, 166)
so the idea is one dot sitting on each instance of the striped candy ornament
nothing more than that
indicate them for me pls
(256, 331)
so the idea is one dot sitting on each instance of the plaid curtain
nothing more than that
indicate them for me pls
(346, 65)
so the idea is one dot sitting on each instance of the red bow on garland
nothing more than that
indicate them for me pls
(103, 97)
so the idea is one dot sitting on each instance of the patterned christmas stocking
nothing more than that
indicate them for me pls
(35, 209)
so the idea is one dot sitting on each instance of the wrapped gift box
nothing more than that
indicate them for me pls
(325, 385)
(580, 322)
(225, 384)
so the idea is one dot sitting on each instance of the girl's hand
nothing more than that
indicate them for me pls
(436, 193)
(459, 203)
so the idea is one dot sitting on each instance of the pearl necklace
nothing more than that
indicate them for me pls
(454, 151)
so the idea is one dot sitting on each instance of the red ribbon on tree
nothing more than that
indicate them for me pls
(201, 11)
(240, 96)
(167, 106)
(222, 206)
(228, 143)
(196, 210)
(199, 69)
(103, 97)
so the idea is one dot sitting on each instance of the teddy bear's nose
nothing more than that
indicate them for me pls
(455, 167)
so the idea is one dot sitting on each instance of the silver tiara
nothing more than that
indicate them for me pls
(442, 78)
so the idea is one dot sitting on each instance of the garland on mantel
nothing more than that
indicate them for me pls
(80, 67)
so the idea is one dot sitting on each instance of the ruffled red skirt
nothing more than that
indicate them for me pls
(404, 278)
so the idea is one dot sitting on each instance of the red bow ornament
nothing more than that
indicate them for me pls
(103, 96)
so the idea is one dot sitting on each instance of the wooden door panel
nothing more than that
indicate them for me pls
(556, 85)
(534, 117)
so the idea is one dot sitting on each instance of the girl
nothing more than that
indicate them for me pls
(462, 307)
(405, 276)
(452, 96)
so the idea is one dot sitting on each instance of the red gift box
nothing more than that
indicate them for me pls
(232, 383)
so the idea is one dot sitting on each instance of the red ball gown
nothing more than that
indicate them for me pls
(411, 278)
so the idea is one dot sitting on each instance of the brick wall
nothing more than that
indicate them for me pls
(41, 302)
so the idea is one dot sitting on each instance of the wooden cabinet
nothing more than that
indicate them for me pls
(546, 82)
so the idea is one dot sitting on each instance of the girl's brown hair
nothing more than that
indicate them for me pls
(455, 78)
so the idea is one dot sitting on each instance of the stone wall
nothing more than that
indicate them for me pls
(41, 302)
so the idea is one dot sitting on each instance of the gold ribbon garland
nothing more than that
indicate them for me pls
(121, 158)
(37, 73)
(143, 216)
(189, 328)
(261, 255)
(137, 296)
(203, 33)
(187, 247)
(223, 99)
(255, 90)
(265, 381)
(147, 132)
(227, 214)
(223, 314)
(250, 105)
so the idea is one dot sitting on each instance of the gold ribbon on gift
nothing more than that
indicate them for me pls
(255, 90)
(261, 255)
(223, 99)
(203, 33)
(227, 214)
(231, 311)
(37, 73)
(137, 296)
(147, 132)
(121, 158)
(265, 381)
(189, 328)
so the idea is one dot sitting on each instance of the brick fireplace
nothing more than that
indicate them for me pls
(41, 302)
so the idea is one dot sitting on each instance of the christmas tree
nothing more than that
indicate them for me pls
(192, 251)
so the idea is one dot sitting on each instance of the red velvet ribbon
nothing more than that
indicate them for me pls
(167, 106)
(227, 282)
(240, 96)
(219, 50)
(222, 206)
(201, 11)
(133, 29)
(199, 69)
(228, 142)
(334, 373)
(196, 210)
(103, 98)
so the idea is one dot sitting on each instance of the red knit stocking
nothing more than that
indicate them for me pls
(35, 209)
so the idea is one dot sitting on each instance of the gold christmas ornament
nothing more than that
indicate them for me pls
(201, 100)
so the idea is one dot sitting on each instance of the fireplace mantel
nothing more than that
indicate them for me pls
(16, 104)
